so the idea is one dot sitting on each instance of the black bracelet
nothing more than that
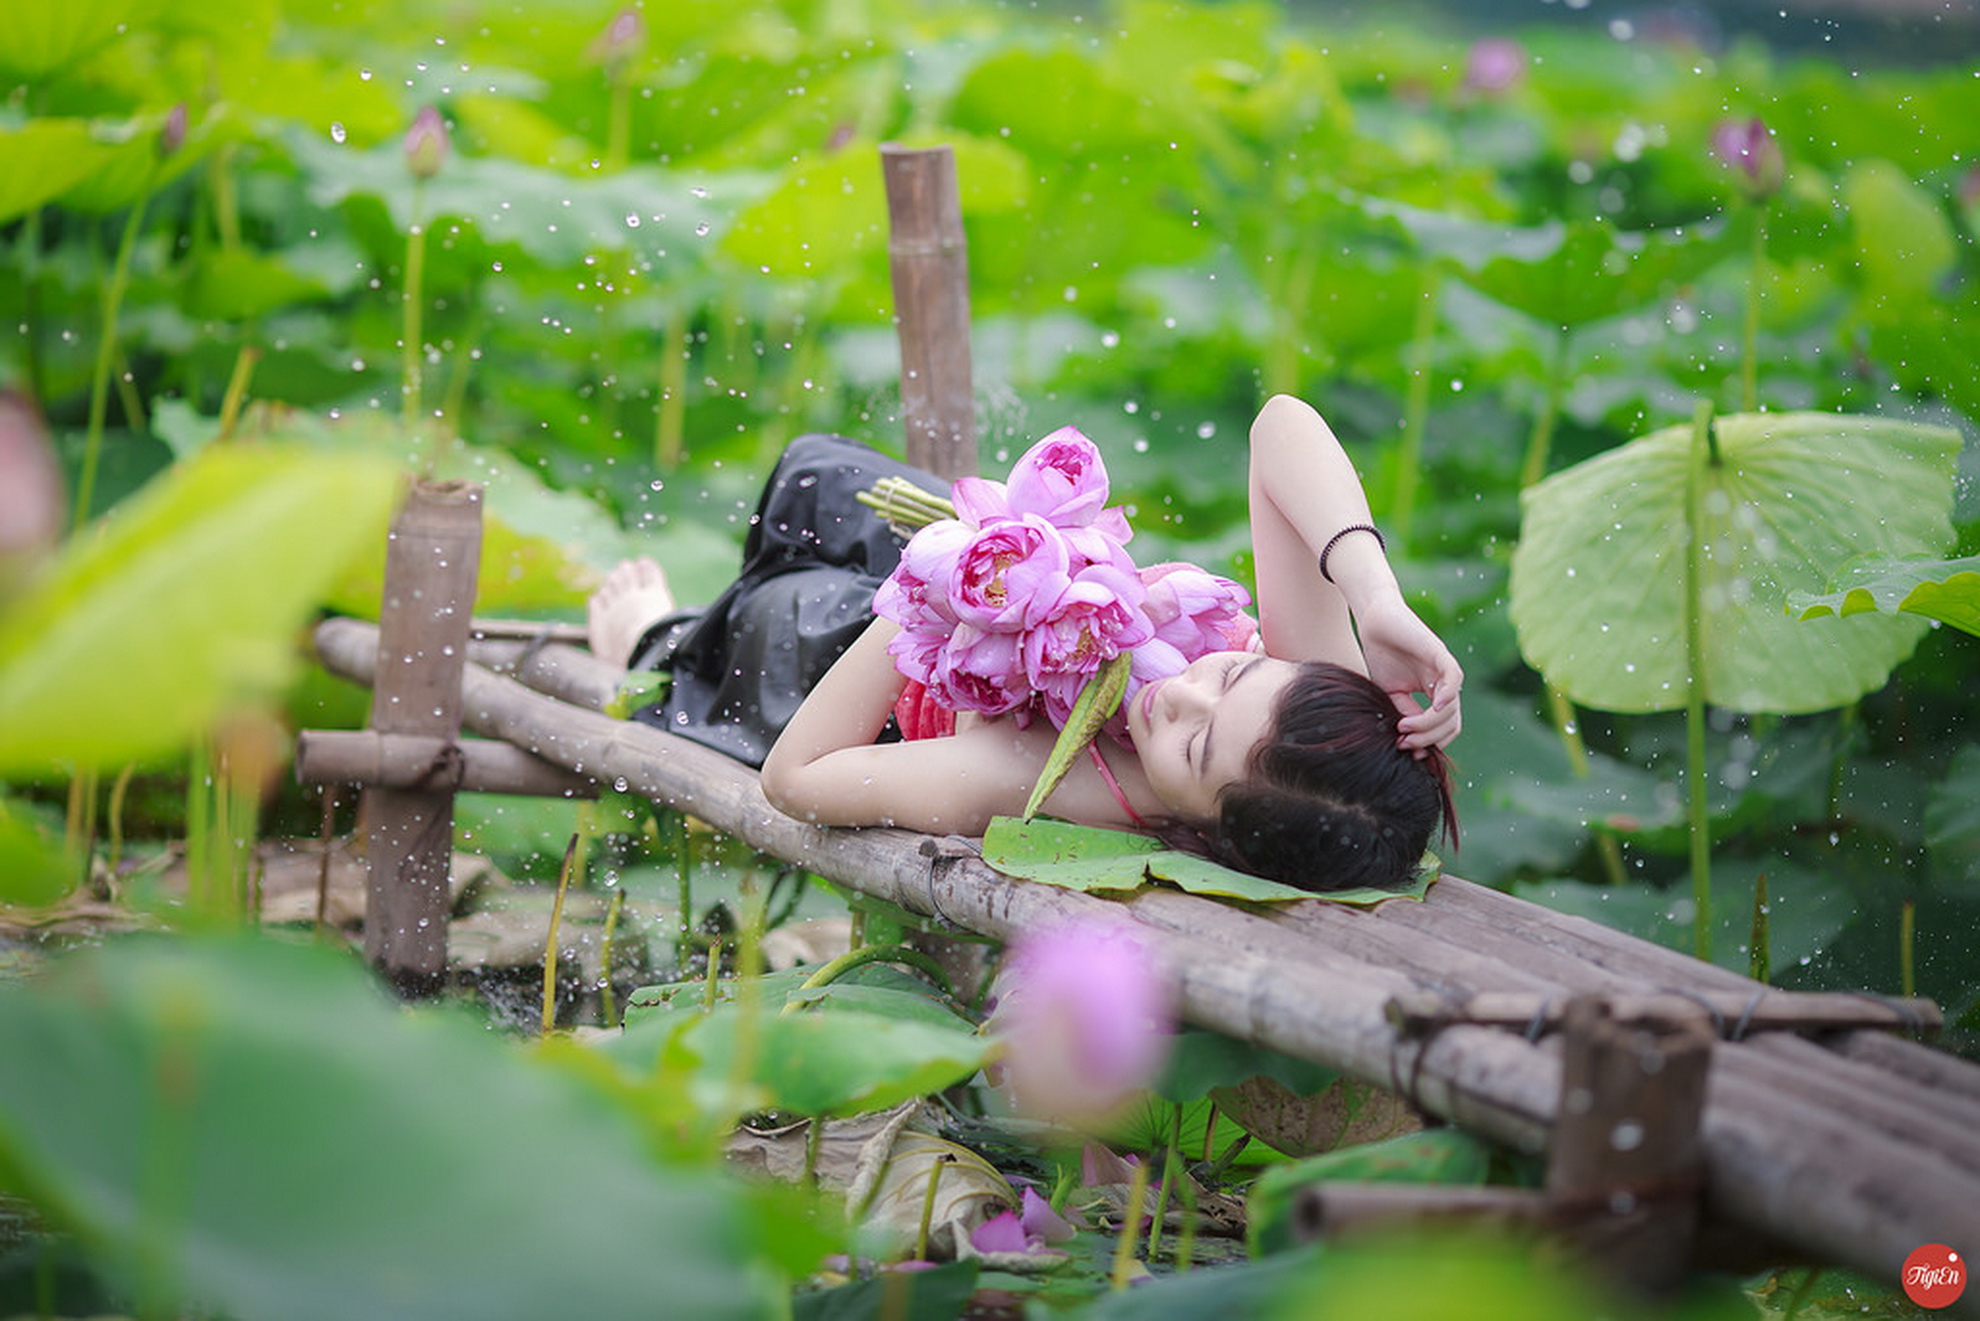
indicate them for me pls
(1332, 541)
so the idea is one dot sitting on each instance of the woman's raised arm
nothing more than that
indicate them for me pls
(1305, 496)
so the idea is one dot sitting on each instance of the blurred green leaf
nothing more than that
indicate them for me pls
(43, 158)
(34, 867)
(45, 37)
(1952, 820)
(187, 598)
(1806, 911)
(1597, 587)
(839, 1063)
(251, 1127)
(1569, 274)
(1441, 1156)
(1904, 244)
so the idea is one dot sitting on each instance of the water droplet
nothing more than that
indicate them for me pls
(337, 133)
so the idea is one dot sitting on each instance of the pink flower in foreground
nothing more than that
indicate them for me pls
(32, 506)
(1085, 1014)
(1746, 148)
(1494, 65)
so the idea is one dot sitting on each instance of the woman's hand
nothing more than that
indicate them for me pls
(1405, 658)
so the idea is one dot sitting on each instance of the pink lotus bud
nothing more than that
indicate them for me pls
(1494, 65)
(623, 38)
(172, 133)
(1746, 148)
(31, 501)
(1969, 199)
(426, 143)
(1086, 1014)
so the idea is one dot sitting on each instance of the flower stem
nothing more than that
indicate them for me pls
(1130, 1226)
(413, 352)
(1694, 707)
(1416, 405)
(106, 353)
(550, 945)
(1749, 366)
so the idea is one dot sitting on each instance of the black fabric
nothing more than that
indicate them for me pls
(812, 560)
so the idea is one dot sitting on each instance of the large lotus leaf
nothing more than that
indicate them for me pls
(1904, 243)
(131, 168)
(554, 218)
(1952, 821)
(46, 36)
(41, 159)
(1592, 270)
(250, 1129)
(1945, 590)
(838, 1062)
(187, 597)
(1598, 580)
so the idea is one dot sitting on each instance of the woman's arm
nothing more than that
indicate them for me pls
(1304, 491)
(826, 768)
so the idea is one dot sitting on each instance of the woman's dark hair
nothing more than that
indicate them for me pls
(1331, 803)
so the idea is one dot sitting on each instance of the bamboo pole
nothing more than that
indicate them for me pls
(415, 761)
(1796, 1170)
(431, 559)
(930, 264)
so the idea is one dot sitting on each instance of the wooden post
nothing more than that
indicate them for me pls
(1626, 1163)
(930, 264)
(411, 761)
(431, 559)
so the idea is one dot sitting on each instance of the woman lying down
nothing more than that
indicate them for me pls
(923, 686)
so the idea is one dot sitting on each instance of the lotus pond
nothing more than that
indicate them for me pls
(1567, 280)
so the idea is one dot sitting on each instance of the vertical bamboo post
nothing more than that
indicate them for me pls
(930, 264)
(431, 559)
(1625, 1170)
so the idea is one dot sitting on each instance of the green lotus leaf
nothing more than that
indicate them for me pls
(1100, 861)
(1945, 590)
(43, 158)
(1598, 580)
(44, 37)
(187, 598)
(1573, 274)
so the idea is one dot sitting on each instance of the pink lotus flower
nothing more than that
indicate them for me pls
(1195, 611)
(1494, 65)
(917, 591)
(1042, 1222)
(426, 143)
(1085, 1013)
(1061, 479)
(1011, 574)
(981, 671)
(1746, 148)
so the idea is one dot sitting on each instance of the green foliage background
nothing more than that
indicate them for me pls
(647, 268)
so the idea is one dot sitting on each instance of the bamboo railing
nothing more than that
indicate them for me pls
(1839, 1140)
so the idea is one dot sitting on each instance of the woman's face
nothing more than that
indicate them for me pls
(1194, 732)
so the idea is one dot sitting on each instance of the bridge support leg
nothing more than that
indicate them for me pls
(431, 561)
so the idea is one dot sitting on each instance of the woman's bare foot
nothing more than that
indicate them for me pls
(633, 597)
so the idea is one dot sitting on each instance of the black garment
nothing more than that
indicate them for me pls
(811, 563)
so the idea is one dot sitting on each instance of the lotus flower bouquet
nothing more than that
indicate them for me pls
(1015, 596)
